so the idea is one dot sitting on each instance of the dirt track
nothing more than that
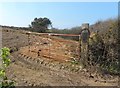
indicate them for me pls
(25, 73)
(31, 73)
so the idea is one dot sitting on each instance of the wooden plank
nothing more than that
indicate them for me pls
(52, 34)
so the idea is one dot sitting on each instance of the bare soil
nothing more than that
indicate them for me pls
(26, 71)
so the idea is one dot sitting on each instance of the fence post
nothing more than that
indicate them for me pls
(28, 33)
(84, 40)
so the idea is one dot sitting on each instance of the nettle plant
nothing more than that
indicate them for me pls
(4, 63)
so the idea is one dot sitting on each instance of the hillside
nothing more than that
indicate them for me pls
(53, 66)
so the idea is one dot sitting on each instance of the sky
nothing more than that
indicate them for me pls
(62, 14)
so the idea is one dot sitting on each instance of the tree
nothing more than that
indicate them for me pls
(41, 24)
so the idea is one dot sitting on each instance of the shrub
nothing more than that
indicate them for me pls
(103, 51)
(5, 61)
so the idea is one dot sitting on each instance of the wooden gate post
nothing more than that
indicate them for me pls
(84, 40)
(28, 33)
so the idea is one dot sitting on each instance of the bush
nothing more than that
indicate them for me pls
(103, 51)
(5, 61)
